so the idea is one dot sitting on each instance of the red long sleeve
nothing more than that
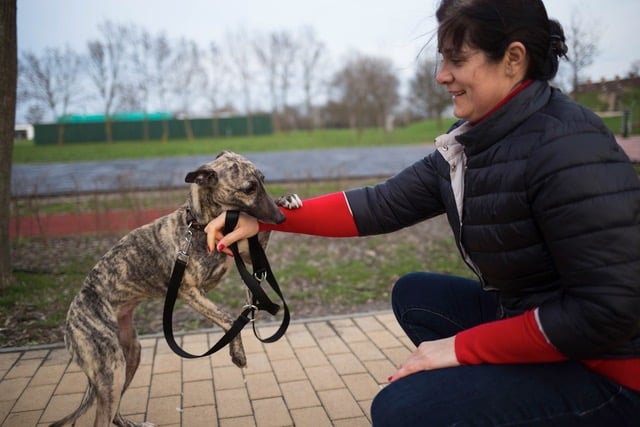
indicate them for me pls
(519, 340)
(327, 215)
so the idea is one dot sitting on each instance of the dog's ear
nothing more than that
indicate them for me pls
(202, 177)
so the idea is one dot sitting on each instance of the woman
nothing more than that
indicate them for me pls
(545, 208)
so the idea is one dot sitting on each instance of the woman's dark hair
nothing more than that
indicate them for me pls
(491, 25)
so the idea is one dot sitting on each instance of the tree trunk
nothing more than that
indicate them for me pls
(8, 77)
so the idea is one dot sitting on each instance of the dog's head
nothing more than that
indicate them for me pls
(231, 182)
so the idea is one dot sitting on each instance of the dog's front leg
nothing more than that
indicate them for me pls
(201, 304)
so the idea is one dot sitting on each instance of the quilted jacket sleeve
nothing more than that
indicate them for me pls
(411, 196)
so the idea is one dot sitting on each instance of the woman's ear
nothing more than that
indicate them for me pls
(516, 60)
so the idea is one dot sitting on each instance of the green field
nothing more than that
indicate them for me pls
(417, 133)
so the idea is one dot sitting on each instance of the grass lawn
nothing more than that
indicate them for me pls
(417, 133)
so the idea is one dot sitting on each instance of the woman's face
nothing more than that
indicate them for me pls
(476, 85)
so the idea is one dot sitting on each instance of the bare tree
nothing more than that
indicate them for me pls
(8, 84)
(582, 41)
(137, 95)
(52, 80)
(188, 79)
(312, 54)
(427, 97)
(237, 45)
(106, 61)
(368, 88)
(276, 53)
(217, 82)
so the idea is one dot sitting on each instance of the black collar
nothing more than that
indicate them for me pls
(192, 222)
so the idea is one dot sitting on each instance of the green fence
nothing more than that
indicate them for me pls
(127, 130)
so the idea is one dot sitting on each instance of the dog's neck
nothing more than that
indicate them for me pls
(192, 221)
(195, 215)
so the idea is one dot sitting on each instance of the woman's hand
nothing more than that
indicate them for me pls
(247, 227)
(429, 355)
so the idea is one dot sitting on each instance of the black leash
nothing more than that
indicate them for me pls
(259, 300)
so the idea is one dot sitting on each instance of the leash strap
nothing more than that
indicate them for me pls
(261, 271)
(260, 300)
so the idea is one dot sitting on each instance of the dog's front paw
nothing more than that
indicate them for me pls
(236, 350)
(289, 201)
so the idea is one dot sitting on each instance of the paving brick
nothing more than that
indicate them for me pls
(340, 404)
(300, 338)
(57, 356)
(62, 405)
(34, 398)
(351, 334)
(233, 403)
(262, 385)
(22, 419)
(166, 363)
(299, 394)
(200, 416)
(380, 370)
(279, 350)
(271, 413)
(23, 368)
(288, 370)
(142, 378)
(11, 389)
(198, 393)
(164, 410)
(311, 356)
(346, 363)
(324, 378)
(369, 323)
(311, 417)
(361, 386)
(366, 350)
(384, 339)
(321, 330)
(35, 354)
(166, 384)
(397, 355)
(74, 382)
(48, 375)
(196, 369)
(258, 362)
(228, 377)
(353, 422)
(5, 408)
(332, 345)
(238, 422)
(6, 362)
(134, 401)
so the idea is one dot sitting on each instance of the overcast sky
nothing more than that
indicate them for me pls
(395, 29)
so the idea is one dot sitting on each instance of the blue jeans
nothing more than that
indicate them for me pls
(431, 306)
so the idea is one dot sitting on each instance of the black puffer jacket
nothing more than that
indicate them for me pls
(551, 219)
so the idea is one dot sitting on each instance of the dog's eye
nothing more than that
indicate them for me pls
(249, 187)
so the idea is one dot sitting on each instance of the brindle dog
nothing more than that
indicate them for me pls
(99, 331)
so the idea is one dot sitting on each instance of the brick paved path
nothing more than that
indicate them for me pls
(324, 372)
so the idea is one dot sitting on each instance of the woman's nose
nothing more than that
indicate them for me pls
(443, 76)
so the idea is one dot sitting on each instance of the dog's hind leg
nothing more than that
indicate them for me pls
(132, 349)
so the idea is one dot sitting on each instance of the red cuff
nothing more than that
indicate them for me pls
(327, 216)
(514, 340)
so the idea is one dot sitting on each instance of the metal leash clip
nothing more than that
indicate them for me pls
(183, 253)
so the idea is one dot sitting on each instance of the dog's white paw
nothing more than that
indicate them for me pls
(289, 201)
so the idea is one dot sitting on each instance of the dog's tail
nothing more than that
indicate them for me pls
(87, 400)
